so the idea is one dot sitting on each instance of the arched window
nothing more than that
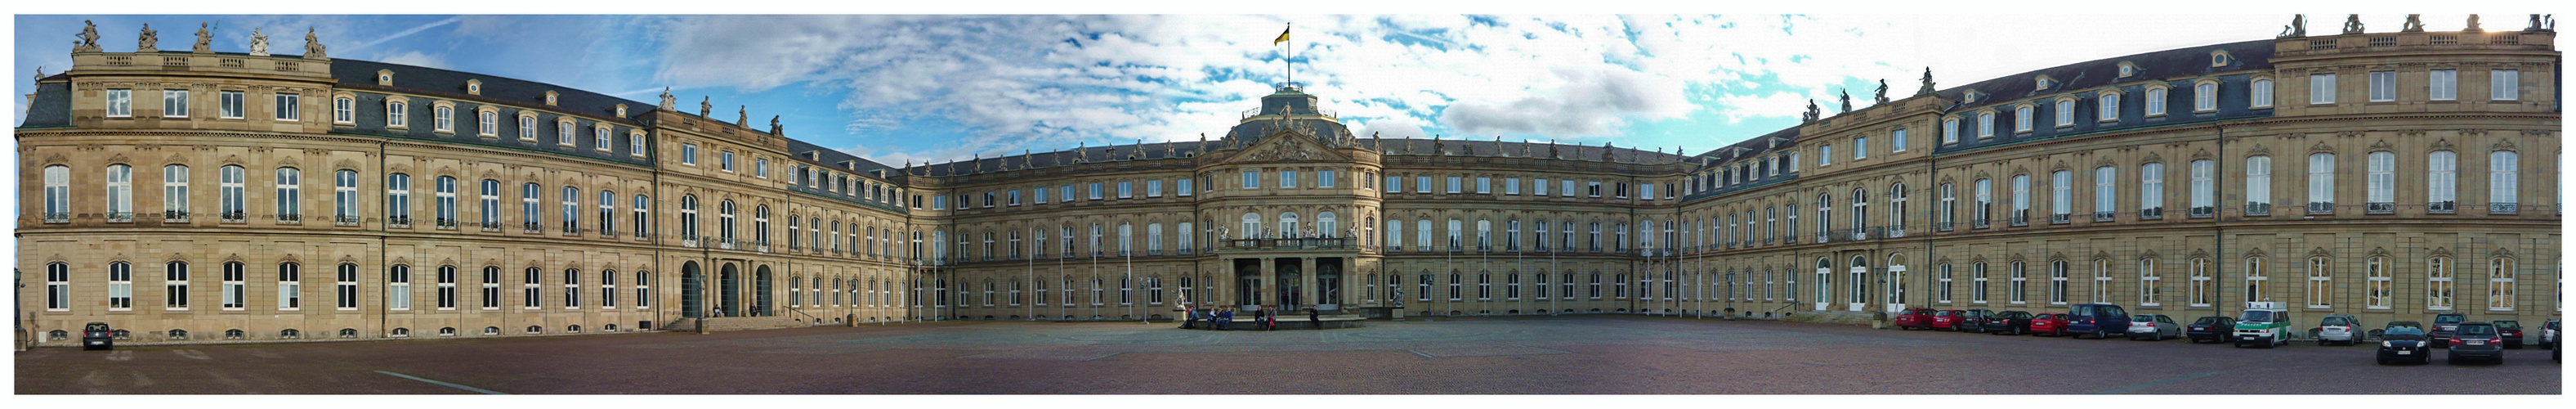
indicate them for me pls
(2503, 184)
(2321, 183)
(2020, 282)
(2255, 276)
(1896, 209)
(2442, 182)
(2500, 283)
(1251, 227)
(2380, 286)
(1327, 226)
(2150, 283)
(2101, 280)
(2320, 283)
(1896, 279)
(689, 220)
(1288, 226)
(1824, 280)
(58, 194)
(120, 193)
(2440, 289)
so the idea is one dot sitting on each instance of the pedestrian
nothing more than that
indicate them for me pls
(1224, 318)
(1270, 318)
(1189, 317)
(1314, 318)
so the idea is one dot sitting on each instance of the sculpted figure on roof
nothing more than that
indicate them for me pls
(1927, 82)
(2414, 23)
(205, 39)
(150, 42)
(89, 37)
(2352, 24)
(313, 46)
(258, 42)
(1882, 90)
(2298, 27)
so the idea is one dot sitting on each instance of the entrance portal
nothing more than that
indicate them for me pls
(1291, 283)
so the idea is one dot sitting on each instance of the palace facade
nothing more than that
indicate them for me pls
(2376, 174)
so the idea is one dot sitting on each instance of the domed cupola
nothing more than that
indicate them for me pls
(1289, 108)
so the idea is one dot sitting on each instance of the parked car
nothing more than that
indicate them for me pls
(2477, 340)
(2511, 331)
(2009, 322)
(2443, 324)
(2048, 325)
(1972, 320)
(2404, 343)
(1915, 318)
(2099, 320)
(97, 335)
(2265, 324)
(1947, 320)
(2549, 336)
(2339, 329)
(2153, 327)
(2214, 328)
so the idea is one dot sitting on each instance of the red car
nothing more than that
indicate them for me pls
(2048, 324)
(1915, 318)
(1948, 320)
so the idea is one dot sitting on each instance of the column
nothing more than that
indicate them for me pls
(1306, 282)
(1269, 275)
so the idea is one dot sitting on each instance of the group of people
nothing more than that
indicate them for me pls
(1222, 318)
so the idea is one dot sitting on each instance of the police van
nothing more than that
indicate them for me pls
(2265, 324)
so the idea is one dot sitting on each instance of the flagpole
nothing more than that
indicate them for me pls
(1290, 63)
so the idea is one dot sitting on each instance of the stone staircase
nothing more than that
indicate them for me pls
(741, 323)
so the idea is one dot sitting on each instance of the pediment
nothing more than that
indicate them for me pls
(1288, 146)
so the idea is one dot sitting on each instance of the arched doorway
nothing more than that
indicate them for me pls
(692, 291)
(1859, 284)
(761, 305)
(728, 291)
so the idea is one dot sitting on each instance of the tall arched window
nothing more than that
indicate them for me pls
(2442, 181)
(2150, 283)
(1288, 226)
(2203, 286)
(1485, 235)
(2321, 183)
(1327, 226)
(1824, 280)
(2441, 285)
(2020, 283)
(2057, 281)
(2101, 280)
(2500, 283)
(724, 223)
(1895, 209)
(2255, 276)
(1824, 216)
(1860, 212)
(445, 198)
(2258, 185)
(174, 193)
(2503, 183)
(2381, 288)
(2320, 283)
(58, 194)
(1251, 227)
(689, 220)
(2383, 183)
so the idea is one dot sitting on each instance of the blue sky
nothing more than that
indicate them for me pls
(933, 87)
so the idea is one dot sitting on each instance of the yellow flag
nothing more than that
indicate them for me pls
(1283, 37)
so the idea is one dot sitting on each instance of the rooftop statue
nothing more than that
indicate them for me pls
(1927, 82)
(2298, 27)
(1846, 101)
(743, 117)
(1882, 91)
(667, 102)
(705, 106)
(88, 41)
(205, 39)
(1812, 113)
(2414, 23)
(2352, 24)
(150, 42)
(258, 42)
(313, 49)
(2473, 24)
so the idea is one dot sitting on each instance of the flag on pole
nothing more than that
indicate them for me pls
(1283, 37)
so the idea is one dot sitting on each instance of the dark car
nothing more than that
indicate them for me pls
(2213, 328)
(1972, 320)
(97, 335)
(2009, 323)
(2511, 331)
(1914, 318)
(2443, 324)
(2098, 320)
(2476, 340)
(2048, 325)
(2404, 343)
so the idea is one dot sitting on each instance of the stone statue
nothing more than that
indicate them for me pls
(1882, 91)
(2543, 23)
(2352, 24)
(205, 39)
(151, 41)
(705, 106)
(2473, 24)
(2298, 27)
(1551, 150)
(2414, 24)
(313, 49)
(743, 117)
(2535, 23)
(258, 43)
(88, 41)
(1846, 101)
(1812, 113)
(774, 127)
(667, 102)
(40, 73)
(1438, 147)
(1927, 82)
(1605, 151)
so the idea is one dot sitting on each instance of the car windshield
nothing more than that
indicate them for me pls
(2209, 321)
(2255, 316)
(2449, 319)
(2473, 330)
(2395, 331)
(2143, 318)
(2508, 325)
(2338, 321)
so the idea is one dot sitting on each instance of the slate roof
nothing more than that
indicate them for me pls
(361, 74)
(2179, 62)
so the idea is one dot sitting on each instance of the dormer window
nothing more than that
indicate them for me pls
(621, 110)
(2127, 69)
(2218, 58)
(474, 87)
(550, 98)
(385, 77)
(1973, 96)
(2042, 84)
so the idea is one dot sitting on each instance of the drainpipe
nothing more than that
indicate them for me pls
(2218, 231)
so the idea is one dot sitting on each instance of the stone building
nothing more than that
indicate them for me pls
(2324, 171)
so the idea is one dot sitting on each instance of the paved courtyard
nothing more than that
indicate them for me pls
(1542, 355)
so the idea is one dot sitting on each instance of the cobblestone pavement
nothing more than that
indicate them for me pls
(1549, 355)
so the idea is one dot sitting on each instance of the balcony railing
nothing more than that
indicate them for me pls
(174, 216)
(2442, 207)
(1896, 231)
(2152, 213)
(2018, 221)
(1861, 233)
(2202, 211)
(58, 217)
(1942, 226)
(1290, 244)
(446, 224)
(120, 217)
(346, 220)
(2102, 216)
(398, 221)
(531, 228)
(232, 217)
(2060, 218)
(2504, 208)
(2379, 208)
(2258, 209)
(290, 218)
(1827, 237)
(1979, 223)
(2320, 208)
(688, 241)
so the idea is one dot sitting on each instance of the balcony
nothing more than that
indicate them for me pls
(171, 216)
(2060, 218)
(688, 241)
(760, 246)
(2442, 207)
(2320, 208)
(58, 217)
(2379, 208)
(1861, 233)
(2102, 216)
(398, 222)
(570, 229)
(1290, 244)
(2504, 208)
(2198, 212)
(2152, 213)
(2258, 209)
(1896, 231)
(531, 228)
(1768, 240)
(120, 217)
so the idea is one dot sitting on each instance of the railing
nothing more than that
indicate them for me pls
(2442, 207)
(531, 228)
(2020, 220)
(290, 218)
(571, 229)
(2258, 209)
(2202, 211)
(2102, 216)
(760, 246)
(172, 216)
(1316, 243)
(398, 221)
(2152, 213)
(1895, 231)
(1861, 233)
(2504, 208)
(2320, 208)
(1768, 240)
(120, 217)
(725, 243)
(446, 224)
(1826, 237)
(2060, 218)
(346, 220)
(232, 217)
(58, 217)
(688, 241)
(2379, 208)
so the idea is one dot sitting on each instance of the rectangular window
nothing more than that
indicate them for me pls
(1153, 188)
(2504, 85)
(1251, 179)
(2151, 188)
(1126, 190)
(724, 161)
(1182, 186)
(2445, 85)
(1394, 183)
(635, 147)
(1511, 186)
(1538, 187)
(1949, 131)
(289, 107)
(1324, 178)
(2321, 88)
(689, 154)
(1824, 155)
(1896, 140)
(174, 103)
(1454, 185)
(1985, 129)
(2258, 185)
(2107, 107)
(120, 103)
(1421, 184)
(1288, 179)
(344, 110)
(2204, 97)
(1095, 194)
(760, 168)
(2155, 101)
(2204, 187)
(1484, 185)
(234, 295)
(2065, 113)
(1860, 148)
(2383, 86)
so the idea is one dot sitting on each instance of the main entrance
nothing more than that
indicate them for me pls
(1290, 283)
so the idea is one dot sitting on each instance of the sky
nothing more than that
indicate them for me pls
(913, 88)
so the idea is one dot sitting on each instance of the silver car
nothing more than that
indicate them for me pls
(2339, 329)
(2153, 327)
